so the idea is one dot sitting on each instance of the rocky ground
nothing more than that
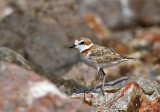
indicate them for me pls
(38, 73)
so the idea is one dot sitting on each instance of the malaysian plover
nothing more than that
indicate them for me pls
(98, 56)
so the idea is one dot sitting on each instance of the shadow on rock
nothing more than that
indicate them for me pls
(125, 94)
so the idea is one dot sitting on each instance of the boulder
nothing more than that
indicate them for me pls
(23, 90)
(44, 44)
(125, 94)
(10, 56)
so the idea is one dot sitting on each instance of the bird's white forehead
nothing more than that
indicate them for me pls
(76, 42)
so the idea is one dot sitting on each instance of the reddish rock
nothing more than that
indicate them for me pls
(151, 34)
(23, 90)
(150, 43)
(125, 94)
(10, 56)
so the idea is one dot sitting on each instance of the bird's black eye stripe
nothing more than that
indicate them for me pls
(83, 42)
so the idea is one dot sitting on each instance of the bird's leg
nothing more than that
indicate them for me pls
(104, 78)
(99, 75)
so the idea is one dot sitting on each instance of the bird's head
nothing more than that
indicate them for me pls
(82, 44)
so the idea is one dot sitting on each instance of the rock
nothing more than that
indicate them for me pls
(83, 74)
(148, 40)
(5, 8)
(115, 14)
(156, 49)
(23, 90)
(87, 76)
(45, 45)
(125, 94)
(95, 23)
(146, 12)
(10, 56)
(146, 71)
(121, 14)
(148, 34)
(51, 11)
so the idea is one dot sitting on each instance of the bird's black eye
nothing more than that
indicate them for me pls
(83, 42)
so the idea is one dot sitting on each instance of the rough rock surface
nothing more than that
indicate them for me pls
(125, 94)
(23, 90)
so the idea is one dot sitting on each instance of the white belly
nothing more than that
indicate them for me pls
(87, 61)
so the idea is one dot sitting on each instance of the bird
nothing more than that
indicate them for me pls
(98, 57)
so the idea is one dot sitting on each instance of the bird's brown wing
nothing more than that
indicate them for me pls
(103, 55)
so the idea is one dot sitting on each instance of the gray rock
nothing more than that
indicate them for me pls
(10, 56)
(46, 45)
(146, 12)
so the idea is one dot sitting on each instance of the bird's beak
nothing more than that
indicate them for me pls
(73, 46)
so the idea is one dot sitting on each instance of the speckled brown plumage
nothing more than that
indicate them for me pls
(99, 54)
